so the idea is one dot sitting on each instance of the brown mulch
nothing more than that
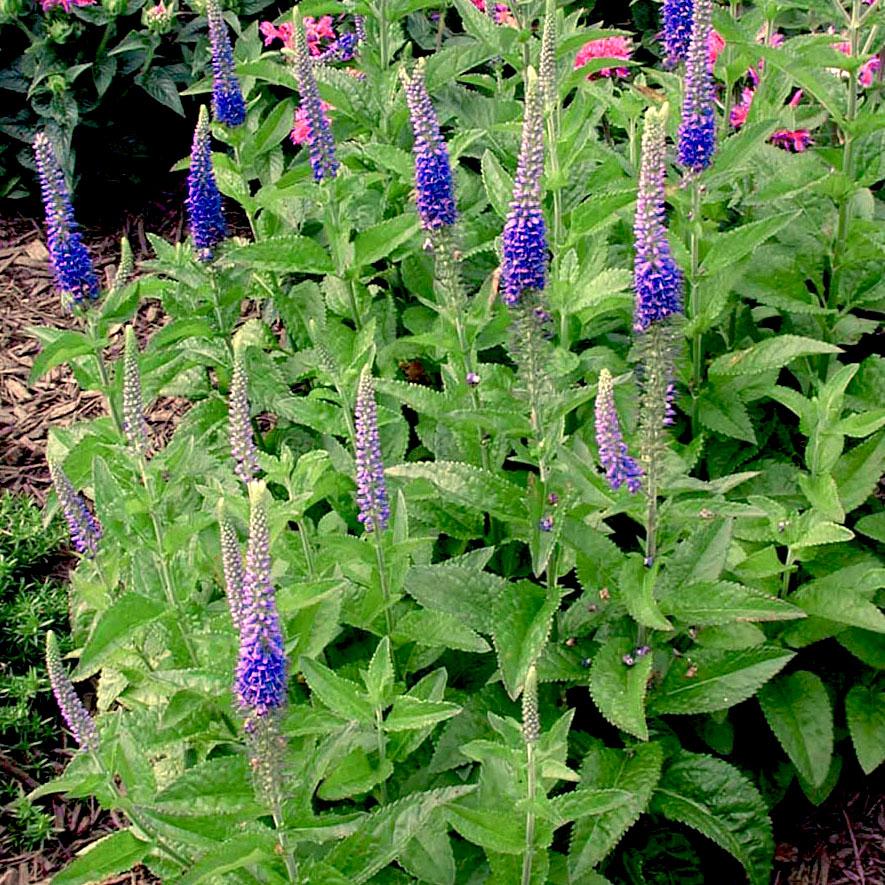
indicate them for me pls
(840, 843)
(28, 298)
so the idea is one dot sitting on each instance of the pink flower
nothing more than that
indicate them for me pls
(868, 71)
(793, 140)
(503, 15)
(606, 47)
(300, 133)
(738, 115)
(715, 46)
(67, 5)
(271, 32)
(316, 30)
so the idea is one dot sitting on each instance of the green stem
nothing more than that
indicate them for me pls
(384, 579)
(283, 840)
(382, 754)
(305, 546)
(165, 575)
(695, 302)
(553, 151)
(92, 333)
(528, 854)
(383, 35)
(788, 569)
(216, 309)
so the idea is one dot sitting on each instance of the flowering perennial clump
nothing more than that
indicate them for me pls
(204, 209)
(524, 267)
(433, 172)
(76, 716)
(620, 468)
(320, 144)
(697, 131)
(656, 277)
(75, 277)
(261, 676)
(85, 529)
(371, 488)
(228, 105)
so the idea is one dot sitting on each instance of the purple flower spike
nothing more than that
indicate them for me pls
(677, 30)
(320, 143)
(524, 267)
(85, 529)
(75, 715)
(203, 199)
(232, 565)
(371, 489)
(75, 277)
(433, 172)
(261, 668)
(656, 278)
(134, 424)
(228, 105)
(620, 468)
(697, 131)
(242, 443)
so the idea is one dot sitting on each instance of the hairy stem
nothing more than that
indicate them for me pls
(697, 341)
(528, 854)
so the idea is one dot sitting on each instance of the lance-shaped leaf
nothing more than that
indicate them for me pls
(340, 695)
(619, 690)
(723, 602)
(865, 712)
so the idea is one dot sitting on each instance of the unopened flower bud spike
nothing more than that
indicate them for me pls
(77, 718)
(134, 424)
(531, 731)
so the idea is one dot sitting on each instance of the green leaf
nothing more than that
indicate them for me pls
(865, 713)
(219, 786)
(492, 830)
(584, 803)
(701, 556)
(498, 184)
(723, 602)
(636, 586)
(379, 676)
(873, 526)
(798, 711)
(730, 247)
(382, 835)
(340, 695)
(862, 424)
(438, 628)
(858, 471)
(468, 485)
(635, 771)
(848, 606)
(464, 592)
(159, 85)
(523, 615)
(106, 857)
(726, 414)
(715, 799)
(286, 254)
(772, 353)
(410, 713)
(240, 851)
(598, 210)
(58, 347)
(618, 690)
(379, 241)
(714, 679)
(115, 630)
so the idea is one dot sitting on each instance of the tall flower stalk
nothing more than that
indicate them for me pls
(75, 277)
(549, 83)
(204, 209)
(242, 442)
(261, 683)
(697, 130)
(531, 731)
(76, 716)
(228, 105)
(320, 143)
(620, 468)
(134, 424)
(676, 19)
(84, 528)
(232, 566)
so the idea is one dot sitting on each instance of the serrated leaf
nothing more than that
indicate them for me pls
(701, 556)
(379, 241)
(730, 247)
(114, 630)
(772, 353)
(714, 679)
(340, 695)
(385, 833)
(715, 799)
(579, 804)
(438, 628)
(523, 615)
(858, 471)
(466, 593)
(847, 606)
(798, 711)
(635, 771)
(217, 786)
(726, 415)
(106, 857)
(468, 485)
(494, 831)
(497, 182)
(723, 602)
(240, 851)
(873, 526)
(287, 254)
(865, 714)
(618, 690)
(58, 347)
(409, 713)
